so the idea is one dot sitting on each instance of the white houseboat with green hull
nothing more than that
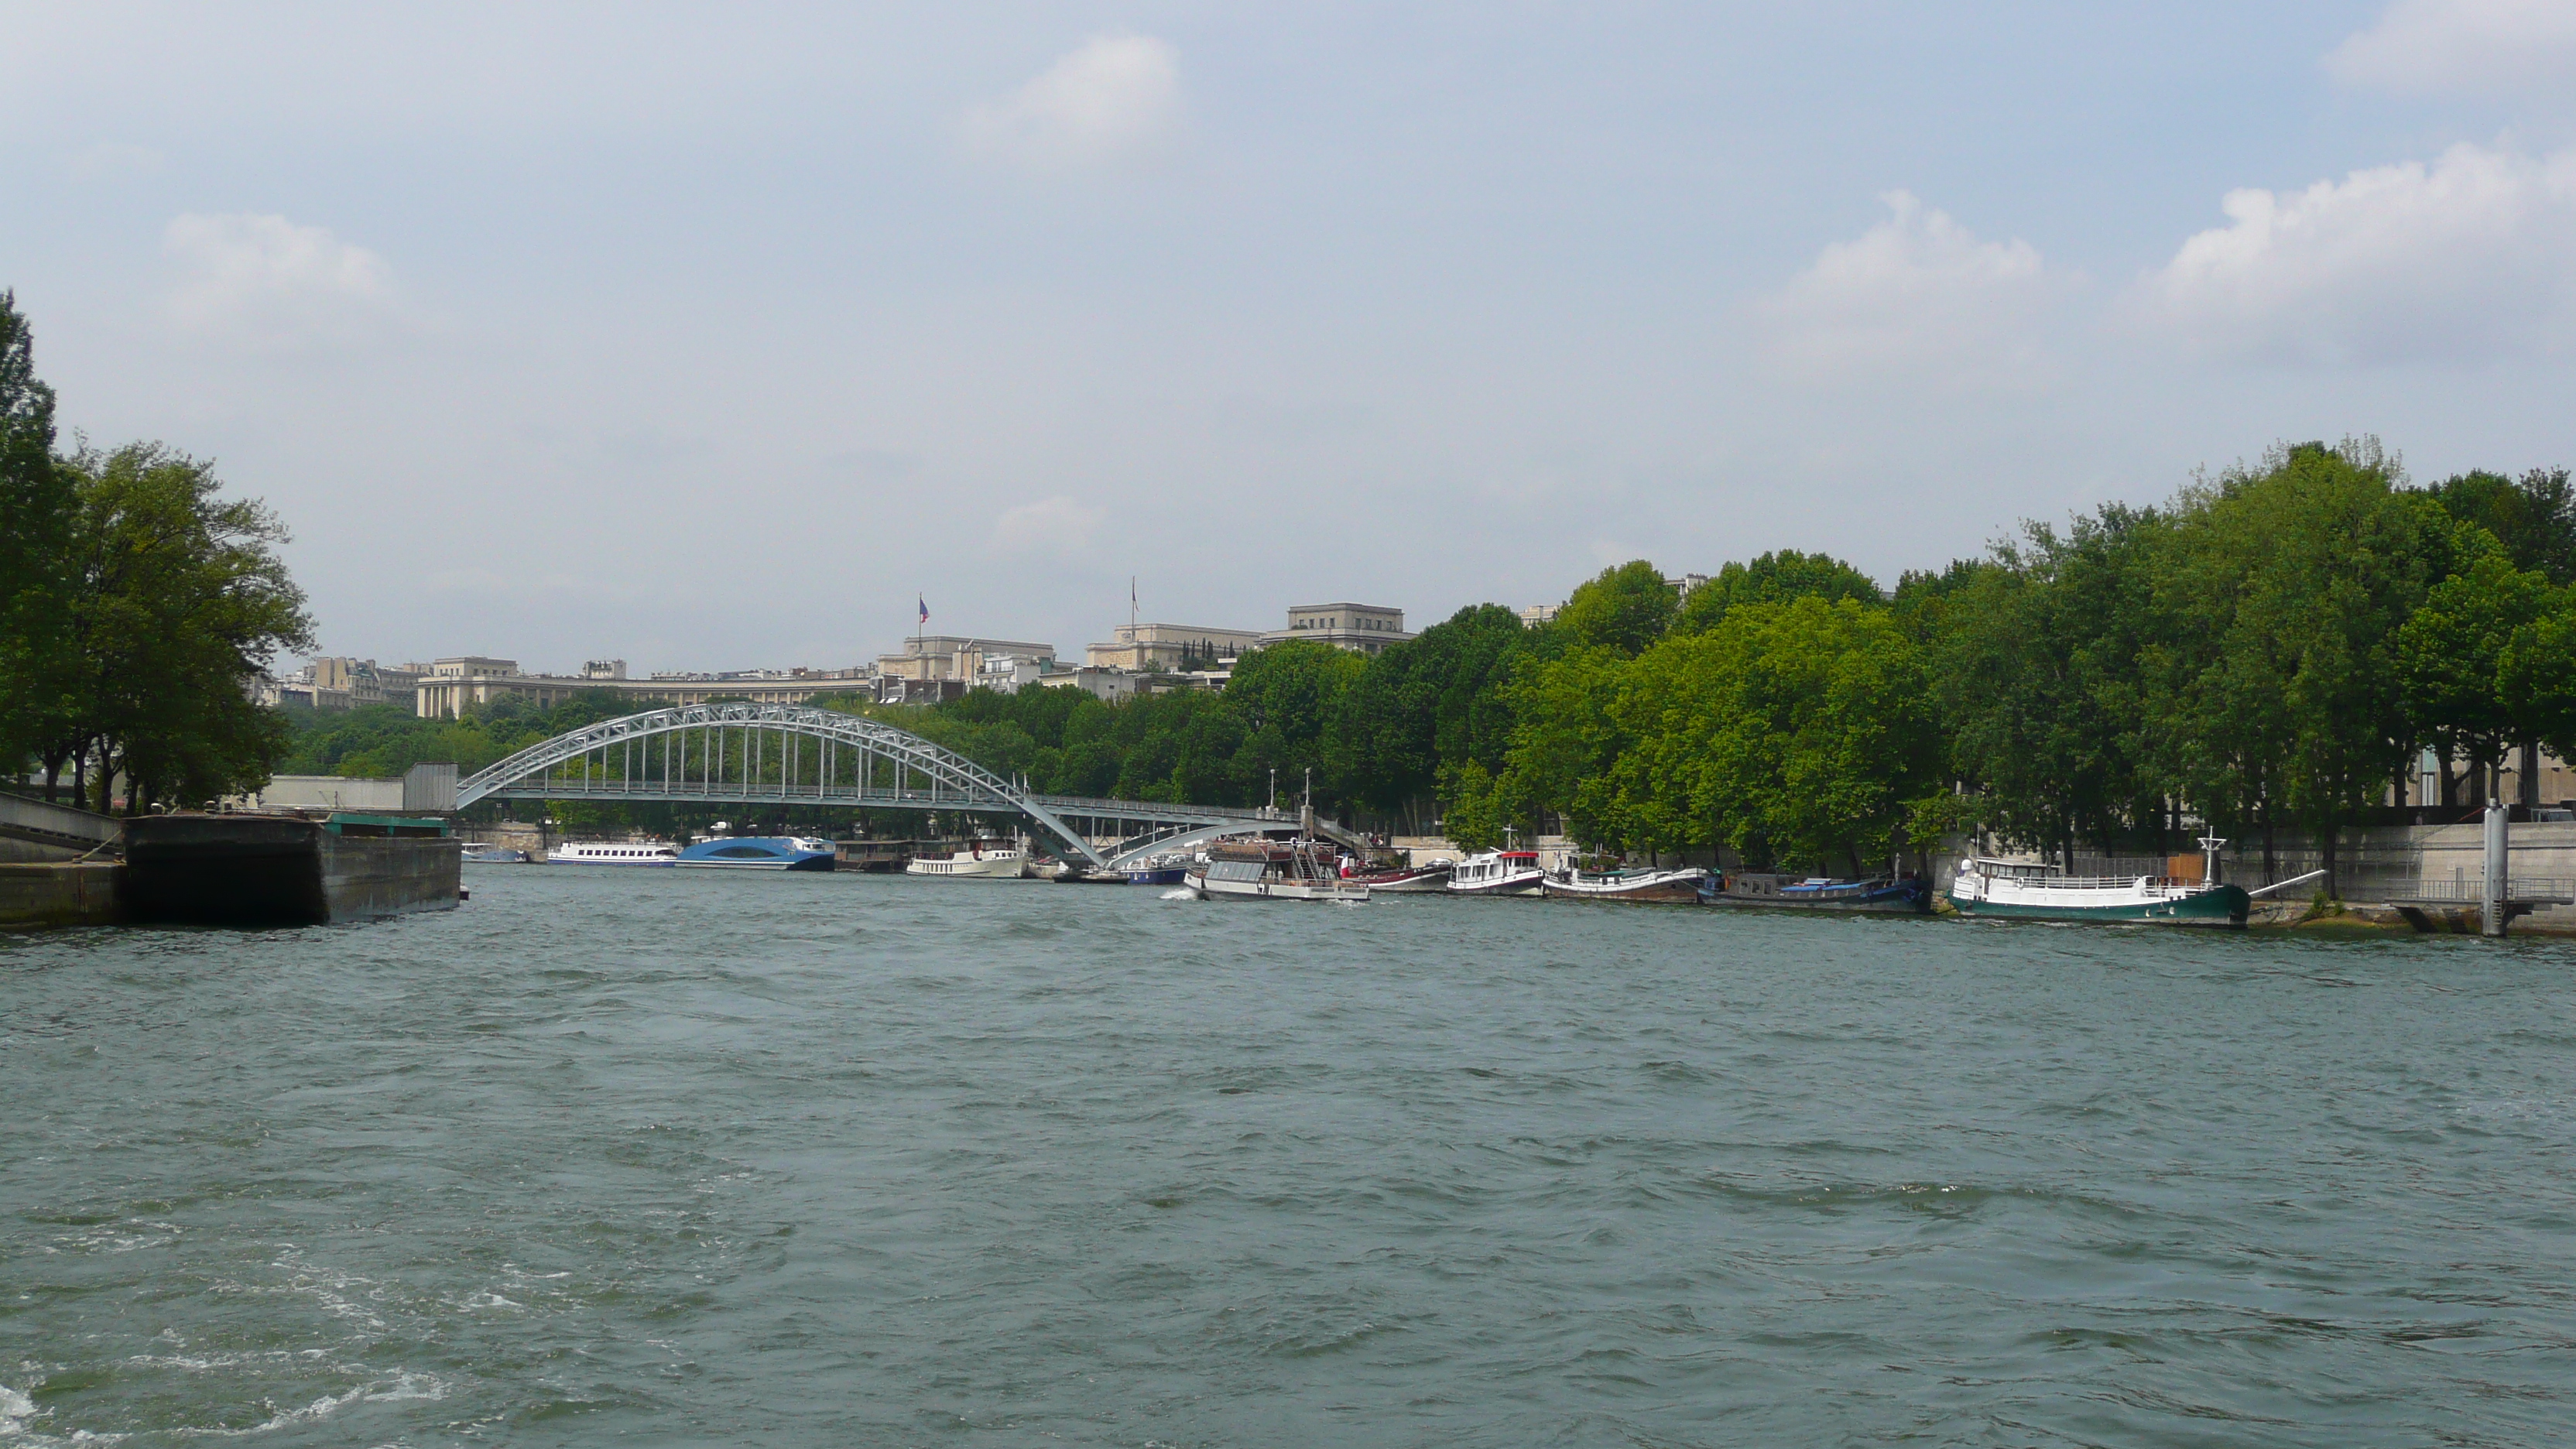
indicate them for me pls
(2028, 891)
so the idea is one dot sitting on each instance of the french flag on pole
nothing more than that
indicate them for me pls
(924, 601)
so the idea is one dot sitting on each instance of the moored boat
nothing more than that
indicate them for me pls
(1411, 880)
(1496, 873)
(980, 860)
(1160, 870)
(614, 852)
(2026, 890)
(1898, 894)
(759, 852)
(1626, 885)
(1273, 870)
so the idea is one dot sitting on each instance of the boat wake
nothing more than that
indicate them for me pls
(1183, 894)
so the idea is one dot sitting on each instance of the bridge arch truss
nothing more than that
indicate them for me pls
(785, 754)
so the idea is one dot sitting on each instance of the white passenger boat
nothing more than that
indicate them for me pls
(980, 860)
(618, 852)
(1273, 870)
(1497, 873)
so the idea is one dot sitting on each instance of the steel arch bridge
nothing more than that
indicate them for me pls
(789, 754)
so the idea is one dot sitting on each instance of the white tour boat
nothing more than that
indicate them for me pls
(980, 860)
(621, 852)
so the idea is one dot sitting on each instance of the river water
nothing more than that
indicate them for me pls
(667, 1158)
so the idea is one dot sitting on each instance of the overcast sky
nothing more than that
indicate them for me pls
(713, 337)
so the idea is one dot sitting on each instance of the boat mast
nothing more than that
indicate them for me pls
(2209, 859)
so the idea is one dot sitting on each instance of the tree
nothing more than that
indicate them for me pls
(2036, 662)
(2533, 517)
(2281, 591)
(177, 601)
(1474, 817)
(1797, 732)
(2537, 676)
(1626, 608)
(1566, 739)
(36, 511)
(1774, 578)
(1283, 696)
(2450, 657)
(1424, 706)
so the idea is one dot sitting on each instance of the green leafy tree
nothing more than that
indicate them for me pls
(2450, 657)
(1625, 609)
(1774, 578)
(1567, 737)
(37, 507)
(1283, 697)
(178, 600)
(2036, 666)
(2533, 517)
(1473, 813)
(2537, 676)
(1801, 733)
(2283, 590)
(1421, 707)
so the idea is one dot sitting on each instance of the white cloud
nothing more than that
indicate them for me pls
(1916, 292)
(2472, 256)
(1112, 97)
(1058, 526)
(2463, 45)
(267, 281)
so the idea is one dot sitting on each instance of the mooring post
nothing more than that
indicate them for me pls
(2492, 900)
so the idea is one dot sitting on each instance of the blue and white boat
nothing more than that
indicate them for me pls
(759, 852)
(1160, 870)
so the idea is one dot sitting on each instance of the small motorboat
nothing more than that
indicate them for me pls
(1680, 885)
(760, 852)
(479, 852)
(1889, 893)
(1496, 873)
(1159, 870)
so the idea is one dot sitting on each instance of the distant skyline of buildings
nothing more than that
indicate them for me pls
(1139, 657)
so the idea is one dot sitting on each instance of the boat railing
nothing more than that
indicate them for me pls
(2101, 882)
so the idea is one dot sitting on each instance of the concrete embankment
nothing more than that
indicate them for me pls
(60, 893)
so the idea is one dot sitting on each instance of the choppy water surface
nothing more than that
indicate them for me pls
(664, 1158)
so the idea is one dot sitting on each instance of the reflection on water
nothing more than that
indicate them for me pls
(853, 1159)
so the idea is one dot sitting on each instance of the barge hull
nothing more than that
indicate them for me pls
(220, 870)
